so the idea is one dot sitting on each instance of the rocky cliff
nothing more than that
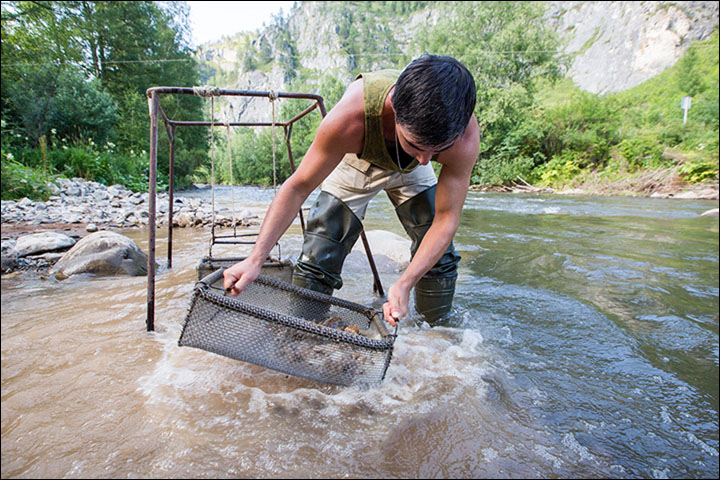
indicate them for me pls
(612, 45)
(618, 45)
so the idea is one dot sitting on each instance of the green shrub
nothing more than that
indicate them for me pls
(501, 170)
(559, 171)
(19, 181)
(642, 151)
(699, 171)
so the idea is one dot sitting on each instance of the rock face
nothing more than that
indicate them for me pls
(105, 253)
(618, 45)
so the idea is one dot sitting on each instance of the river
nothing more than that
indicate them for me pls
(583, 343)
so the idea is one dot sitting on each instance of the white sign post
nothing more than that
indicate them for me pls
(685, 105)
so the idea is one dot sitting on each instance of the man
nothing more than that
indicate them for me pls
(382, 135)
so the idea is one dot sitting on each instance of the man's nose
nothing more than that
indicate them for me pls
(424, 158)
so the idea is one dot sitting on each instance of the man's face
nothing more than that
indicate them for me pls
(415, 147)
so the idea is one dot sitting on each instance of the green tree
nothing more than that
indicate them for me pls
(86, 66)
(507, 47)
(39, 53)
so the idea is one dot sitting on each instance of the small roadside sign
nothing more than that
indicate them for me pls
(685, 105)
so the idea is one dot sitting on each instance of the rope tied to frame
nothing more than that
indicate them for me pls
(206, 91)
(212, 163)
(232, 181)
(273, 95)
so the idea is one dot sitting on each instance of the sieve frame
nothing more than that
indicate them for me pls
(205, 290)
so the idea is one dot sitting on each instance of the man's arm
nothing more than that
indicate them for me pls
(452, 188)
(336, 135)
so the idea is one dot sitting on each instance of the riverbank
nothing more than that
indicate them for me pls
(79, 207)
(650, 185)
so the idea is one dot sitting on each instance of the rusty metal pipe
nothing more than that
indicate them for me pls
(171, 193)
(288, 132)
(154, 106)
(220, 123)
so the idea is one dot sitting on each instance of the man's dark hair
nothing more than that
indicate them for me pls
(434, 99)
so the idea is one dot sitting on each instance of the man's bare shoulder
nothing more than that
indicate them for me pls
(346, 121)
(351, 106)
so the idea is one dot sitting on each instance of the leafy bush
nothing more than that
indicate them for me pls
(499, 170)
(642, 151)
(19, 181)
(699, 171)
(559, 171)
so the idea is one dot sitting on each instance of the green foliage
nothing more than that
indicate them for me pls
(19, 181)
(643, 150)
(506, 46)
(26, 172)
(363, 35)
(252, 158)
(573, 132)
(498, 170)
(699, 171)
(61, 100)
(76, 72)
(559, 171)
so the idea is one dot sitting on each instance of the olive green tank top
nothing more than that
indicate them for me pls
(376, 86)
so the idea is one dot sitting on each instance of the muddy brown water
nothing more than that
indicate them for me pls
(583, 343)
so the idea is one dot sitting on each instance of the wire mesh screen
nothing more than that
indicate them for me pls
(290, 329)
(282, 269)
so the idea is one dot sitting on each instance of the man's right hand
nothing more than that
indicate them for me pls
(240, 275)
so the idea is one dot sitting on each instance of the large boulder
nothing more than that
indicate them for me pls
(104, 253)
(37, 243)
(9, 256)
(390, 251)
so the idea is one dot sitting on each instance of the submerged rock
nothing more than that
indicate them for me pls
(9, 256)
(390, 251)
(37, 243)
(104, 253)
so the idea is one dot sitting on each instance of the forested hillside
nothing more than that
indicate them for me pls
(539, 125)
(74, 76)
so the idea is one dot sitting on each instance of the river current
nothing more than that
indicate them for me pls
(583, 342)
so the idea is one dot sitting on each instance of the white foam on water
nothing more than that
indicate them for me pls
(571, 442)
(542, 452)
(489, 454)
(422, 356)
(665, 415)
(657, 473)
(713, 452)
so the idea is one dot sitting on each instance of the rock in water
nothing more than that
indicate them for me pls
(104, 253)
(36, 243)
(390, 251)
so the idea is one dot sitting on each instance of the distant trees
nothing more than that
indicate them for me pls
(507, 46)
(74, 75)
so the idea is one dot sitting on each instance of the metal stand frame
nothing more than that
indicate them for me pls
(156, 111)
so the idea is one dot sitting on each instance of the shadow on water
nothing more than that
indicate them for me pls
(583, 343)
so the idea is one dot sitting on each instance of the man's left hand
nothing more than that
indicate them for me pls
(397, 305)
